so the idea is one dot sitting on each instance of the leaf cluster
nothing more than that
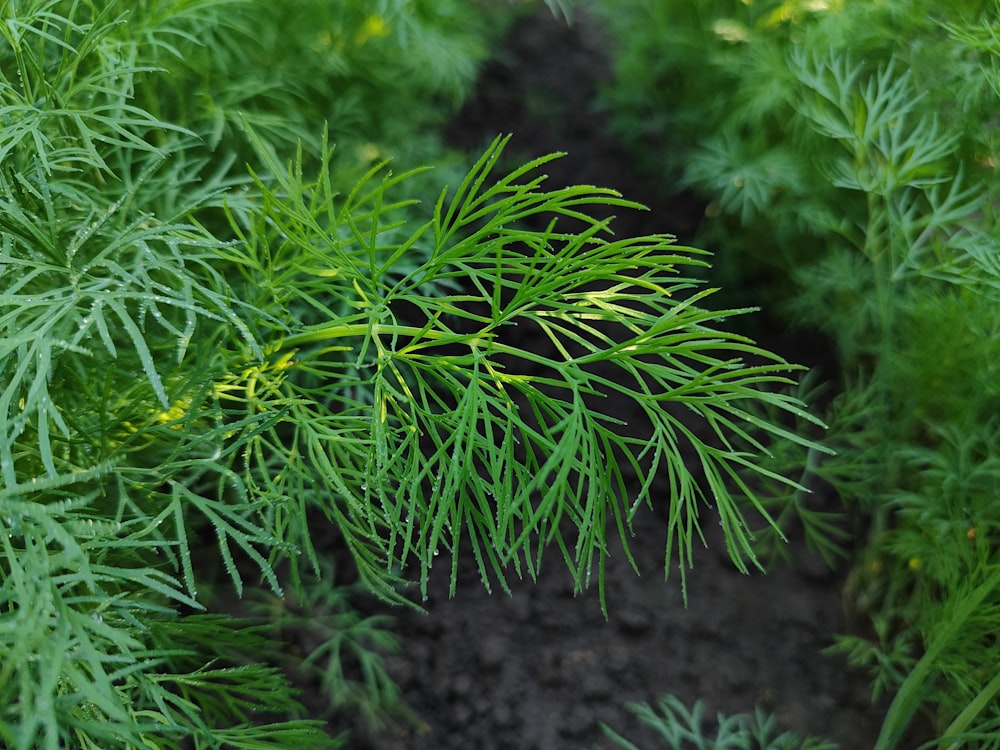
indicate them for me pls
(382, 77)
(452, 434)
(678, 727)
(711, 94)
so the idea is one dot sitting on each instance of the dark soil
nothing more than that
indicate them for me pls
(542, 668)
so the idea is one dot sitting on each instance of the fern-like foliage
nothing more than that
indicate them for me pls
(467, 438)
(195, 367)
(111, 455)
(683, 728)
(863, 173)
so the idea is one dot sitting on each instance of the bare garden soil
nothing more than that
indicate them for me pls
(542, 668)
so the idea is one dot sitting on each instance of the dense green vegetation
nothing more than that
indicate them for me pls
(848, 152)
(236, 313)
(220, 333)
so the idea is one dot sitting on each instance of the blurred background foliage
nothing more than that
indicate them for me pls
(847, 153)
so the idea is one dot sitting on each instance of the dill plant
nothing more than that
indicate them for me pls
(859, 186)
(197, 365)
(678, 727)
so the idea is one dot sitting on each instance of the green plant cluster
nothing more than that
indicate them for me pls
(847, 152)
(220, 336)
(678, 727)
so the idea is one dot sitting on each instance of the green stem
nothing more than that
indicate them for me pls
(911, 692)
(962, 721)
(349, 330)
(374, 330)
